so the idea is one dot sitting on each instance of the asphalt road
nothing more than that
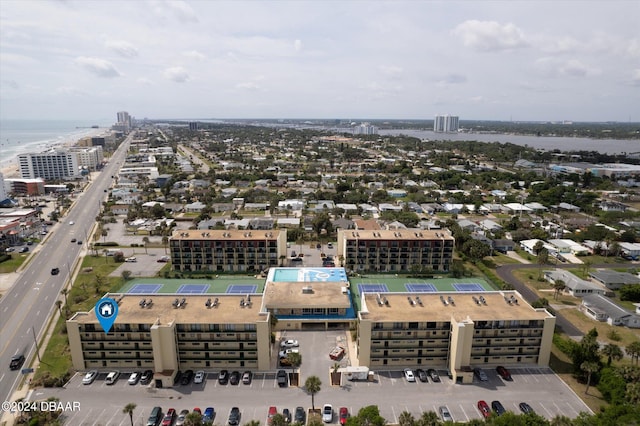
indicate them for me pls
(26, 308)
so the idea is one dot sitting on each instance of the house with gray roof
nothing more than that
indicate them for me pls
(601, 308)
(613, 279)
(575, 286)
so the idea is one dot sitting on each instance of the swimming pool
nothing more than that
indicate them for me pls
(309, 275)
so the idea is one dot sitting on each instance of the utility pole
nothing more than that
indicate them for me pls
(36, 341)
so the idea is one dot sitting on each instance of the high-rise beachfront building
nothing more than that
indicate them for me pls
(51, 165)
(124, 121)
(446, 124)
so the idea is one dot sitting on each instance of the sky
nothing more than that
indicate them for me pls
(479, 60)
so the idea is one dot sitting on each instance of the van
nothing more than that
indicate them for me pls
(112, 377)
(154, 417)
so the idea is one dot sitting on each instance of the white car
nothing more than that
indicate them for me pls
(327, 413)
(89, 377)
(289, 344)
(134, 378)
(131, 259)
(408, 374)
(199, 377)
(71, 223)
(285, 352)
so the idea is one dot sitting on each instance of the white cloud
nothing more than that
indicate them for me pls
(145, 81)
(177, 74)
(70, 90)
(122, 48)
(194, 54)
(635, 77)
(555, 67)
(391, 71)
(249, 85)
(99, 67)
(297, 45)
(490, 35)
(179, 10)
(452, 79)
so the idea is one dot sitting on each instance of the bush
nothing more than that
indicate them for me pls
(614, 335)
(106, 244)
(566, 346)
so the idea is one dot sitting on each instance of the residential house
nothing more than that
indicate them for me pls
(614, 280)
(601, 308)
(575, 286)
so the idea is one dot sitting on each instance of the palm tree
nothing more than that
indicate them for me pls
(612, 351)
(429, 418)
(165, 242)
(64, 292)
(145, 240)
(633, 393)
(312, 386)
(59, 306)
(589, 367)
(633, 350)
(558, 286)
(406, 419)
(128, 409)
(561, 420)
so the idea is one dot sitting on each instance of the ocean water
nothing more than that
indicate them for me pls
(20, 136)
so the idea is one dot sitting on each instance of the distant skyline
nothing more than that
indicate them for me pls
(479, 60)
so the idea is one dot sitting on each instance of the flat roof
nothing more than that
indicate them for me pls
(400, 234)
(214, 234)
(194, 311)
(463, 308)
(306, 295)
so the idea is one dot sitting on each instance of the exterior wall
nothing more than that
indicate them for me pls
(48, 165)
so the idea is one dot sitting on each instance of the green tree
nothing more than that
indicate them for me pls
(193, 419)
(295, 359)
(367, 416)
(145, 240)
(586, 350)
(476, 250)
(128, 409)
(429, 418)
(406, 419)
(538, 247)
(278, 420)
(612, 351)
(312, 386)
(558, 287)
(633, 350)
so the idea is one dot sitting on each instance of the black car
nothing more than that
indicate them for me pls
(526, 408)
(300, 416)
(422, 375)
(287, 415)
(433, 374)
(186, 377)
(234, 416)
(223, 377)
(55, 271)
(498, 408)
(234, 377)
(24, 249)
(146, 377)
(282, 378)
(16, 362)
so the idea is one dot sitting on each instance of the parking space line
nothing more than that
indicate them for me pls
(464, 412)
(99, 416)
(551, 415)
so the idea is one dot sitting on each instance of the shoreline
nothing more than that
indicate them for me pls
(11, 169)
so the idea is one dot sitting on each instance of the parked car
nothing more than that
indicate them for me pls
(433, 374)
(525, 408)
(169, 417)
(16, 362)
(146, 377)
(89, 377)
(299, 416)
(282, 378)
(498, 408)
(327, 413)
(10, 249)
(234, 416)
(223, 377)
(287, 415)
(272, 412)
(283, 353)
(208, 414)
(24, 249)
(134, 378)
(503, 372)
(343, 415)
(163, 259)
(234, 377)
(199, 377)
(247, 376)
(408, 374)
(445, 415)
(112, 377)
(484, 409)
(290, 343)
(131, 259)
(480, 374)
(337, 353)
(155, 416)
(186, 377)
(182, 417)
(422, 375)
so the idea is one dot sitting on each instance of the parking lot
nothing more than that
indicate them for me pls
(102, 404)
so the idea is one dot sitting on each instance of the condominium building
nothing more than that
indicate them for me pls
(395, 251)
(124, 121)
(24, 187)
(446, 124)
(50, 165)
(89, 158)
(167, 333)
(457, 331)
(227, 250)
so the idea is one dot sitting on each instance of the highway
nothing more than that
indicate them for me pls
(26, 308)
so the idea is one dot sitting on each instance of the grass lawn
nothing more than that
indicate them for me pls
(14, 263)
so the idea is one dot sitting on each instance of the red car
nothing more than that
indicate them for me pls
(484, 409)
(272, 412)
(503, 372)
(197, 410)
(167, 420)
(344, 415)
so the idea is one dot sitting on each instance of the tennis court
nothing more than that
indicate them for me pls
(193, 289)
(144, 288)
(468, 287)
(373, 288)
(242, 288)
(420, 288)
